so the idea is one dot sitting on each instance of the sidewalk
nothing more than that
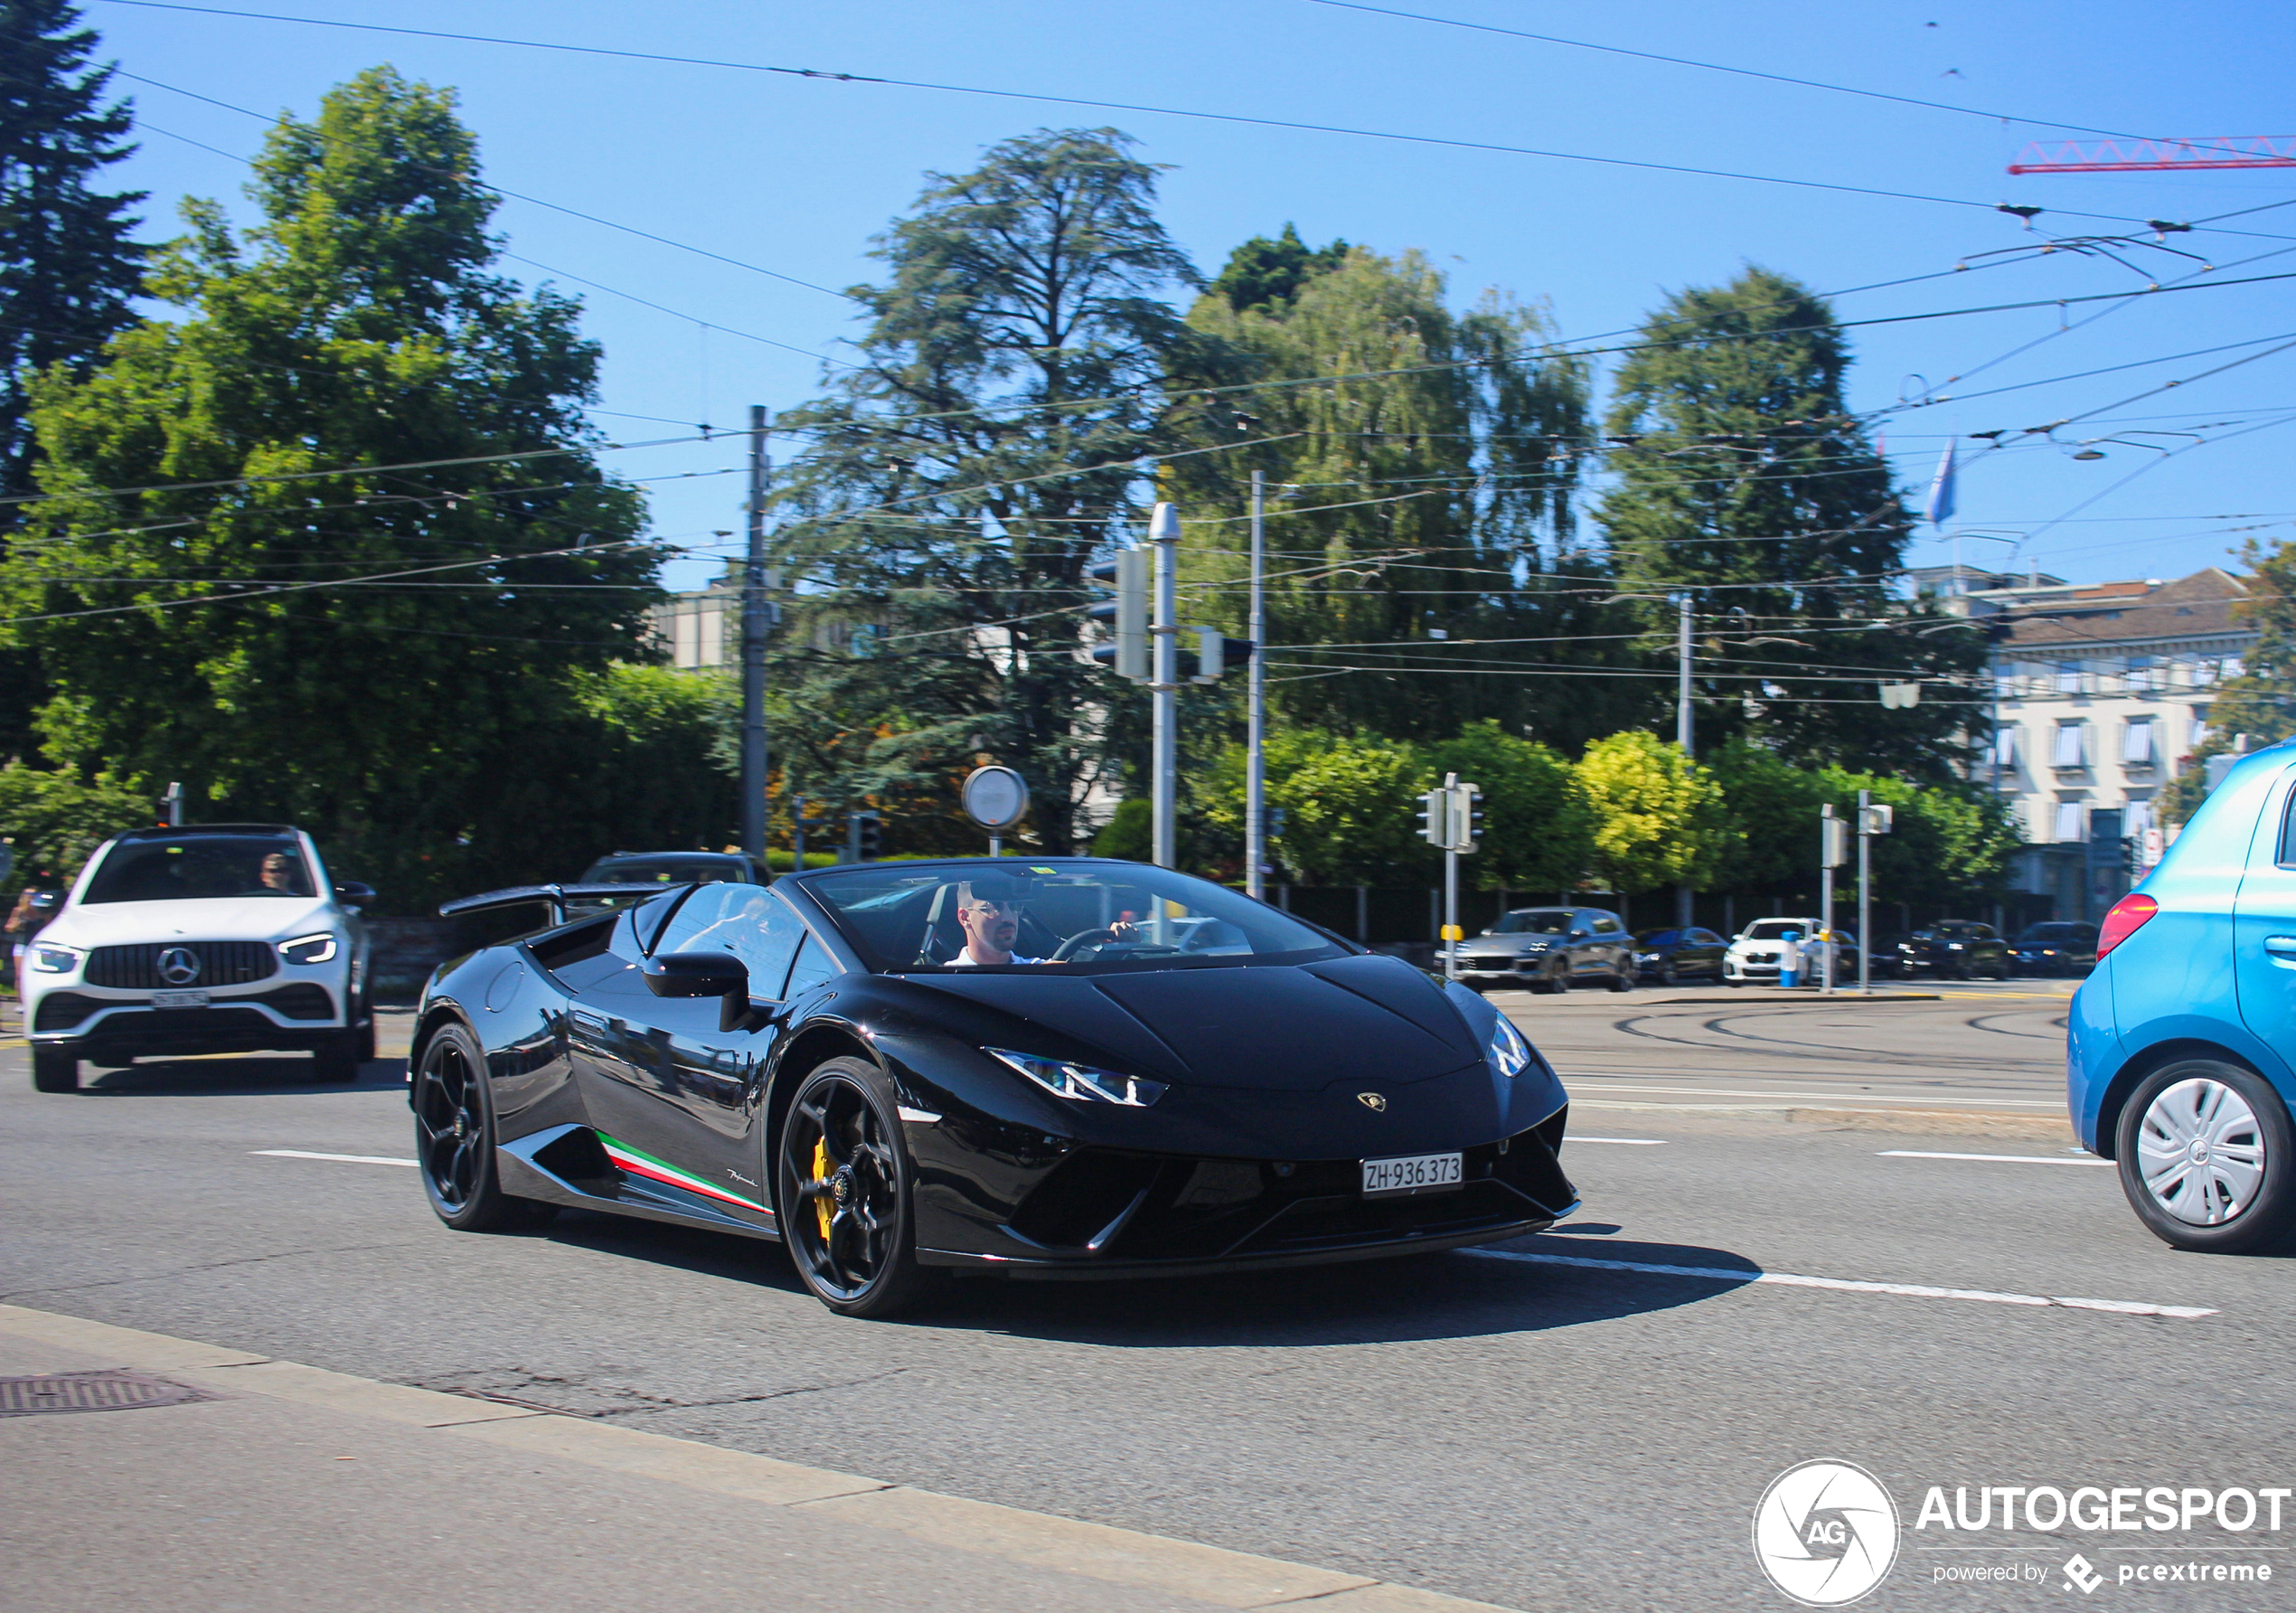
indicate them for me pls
(287, 1488)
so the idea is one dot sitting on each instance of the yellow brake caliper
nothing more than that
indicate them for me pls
(821, 1180)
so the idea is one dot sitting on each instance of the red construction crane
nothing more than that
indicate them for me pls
(2144, 157)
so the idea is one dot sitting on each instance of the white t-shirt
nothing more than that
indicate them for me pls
(966, 961)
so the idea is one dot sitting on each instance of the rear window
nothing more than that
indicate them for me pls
(668, 871)
(201, 868)
(1532, 921)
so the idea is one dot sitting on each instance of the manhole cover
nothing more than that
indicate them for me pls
(89, 1392)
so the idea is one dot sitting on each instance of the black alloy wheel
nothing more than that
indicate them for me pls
(844, 1193)
(54, 1069)
(1666, 975)
(1623, 977)
(337, 1062)
(1552, 979)
(455, 1138)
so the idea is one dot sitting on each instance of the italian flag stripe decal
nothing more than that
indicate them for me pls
(644, 1165)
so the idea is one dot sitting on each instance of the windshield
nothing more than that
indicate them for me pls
(1532, 921)
(2045, 934)
(666, 871)
(200, 867)
(1773, 929)
(1091, 917)
(1658, 937)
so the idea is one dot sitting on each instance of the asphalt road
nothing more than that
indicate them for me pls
(1539, 1432)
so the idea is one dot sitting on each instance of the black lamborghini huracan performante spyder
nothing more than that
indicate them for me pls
(1068, 1067)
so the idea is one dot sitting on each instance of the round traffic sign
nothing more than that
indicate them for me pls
(995, 797)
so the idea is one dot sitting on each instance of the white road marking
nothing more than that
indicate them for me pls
(1996, 1159)
(1931, 1099)
(340, 1158)
(1631, 1142)
(2126, 1307)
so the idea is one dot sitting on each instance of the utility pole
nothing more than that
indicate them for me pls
(754, 621)
(1256, 723)
(1164, 631)
(1864, 892)
(1832, 853)
(1684, 909)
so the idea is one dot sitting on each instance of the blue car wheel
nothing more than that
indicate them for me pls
(2208, 1159)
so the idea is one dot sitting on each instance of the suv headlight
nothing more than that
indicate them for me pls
(1081, 1082)
(1510, 1053)
(310, 948)
(51, 959)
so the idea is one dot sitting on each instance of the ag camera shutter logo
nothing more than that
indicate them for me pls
(1826, 1532)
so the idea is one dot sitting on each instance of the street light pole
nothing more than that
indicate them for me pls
(1163, 682)
(1864, 893)
(1684, 909)
(1826, 833)
(1256, 723)
(753, 645)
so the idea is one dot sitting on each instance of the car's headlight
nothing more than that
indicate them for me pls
(54, 960)
(1953, 946)
(1510, 1053)
(1646, 957)
(310, 948)
(1082, 1082)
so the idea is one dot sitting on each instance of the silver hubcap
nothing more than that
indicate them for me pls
(2201, 1152)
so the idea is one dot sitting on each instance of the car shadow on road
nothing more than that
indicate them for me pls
(254, 1076)
(1459, 1294)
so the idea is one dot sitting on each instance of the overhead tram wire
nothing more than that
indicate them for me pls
(1112, 105)
(1744, 72)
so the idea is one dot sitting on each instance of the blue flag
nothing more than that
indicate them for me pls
(1941, 489)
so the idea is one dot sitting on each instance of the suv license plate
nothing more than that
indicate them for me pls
(179, 999)
(1416, 1173)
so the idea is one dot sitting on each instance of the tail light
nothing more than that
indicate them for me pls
(2126, 917)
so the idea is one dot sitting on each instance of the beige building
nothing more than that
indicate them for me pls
(2103, 692)
(699, 630)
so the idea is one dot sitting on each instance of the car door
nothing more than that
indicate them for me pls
(1701, 953)
(1613, 946)
(2264, 926)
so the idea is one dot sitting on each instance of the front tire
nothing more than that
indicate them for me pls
(2208, 1158)
(846, 1193)
(337, 1062)
(455, 1138)
(54, 1069)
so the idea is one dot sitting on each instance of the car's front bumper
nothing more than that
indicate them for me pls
(1480, 971)
(113, 1026)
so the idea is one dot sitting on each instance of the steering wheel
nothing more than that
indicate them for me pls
(1080, 941)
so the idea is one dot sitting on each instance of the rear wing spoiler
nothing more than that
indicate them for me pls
(557, 896)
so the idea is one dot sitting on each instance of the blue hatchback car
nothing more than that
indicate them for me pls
(2181, 1057)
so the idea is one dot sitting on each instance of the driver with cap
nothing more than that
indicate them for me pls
(989, 913)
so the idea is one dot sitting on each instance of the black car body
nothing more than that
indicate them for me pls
(1662, 956)
(1549, 950)
(1955, 949)
(1199, 1082)
(2059, 946)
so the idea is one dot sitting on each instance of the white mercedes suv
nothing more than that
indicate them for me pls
(205, 938)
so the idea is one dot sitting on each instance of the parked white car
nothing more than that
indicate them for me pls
(207, 939)
(1753, 957)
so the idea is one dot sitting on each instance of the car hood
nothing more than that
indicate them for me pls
(222, 919)
(1517, 944)
(1266, 1029)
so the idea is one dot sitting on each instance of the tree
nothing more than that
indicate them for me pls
(957, 481)
(1424, 569)
(213, 483)
(1660, 817)
(53, 819)
(1347, 801)
(69, 262)
(1538, 828)
(1744, 482)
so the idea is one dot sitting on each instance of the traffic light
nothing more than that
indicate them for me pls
(1215, 653)
(1127, 652)
(865, 837)
(1435, 818)
(1879, 818)
(1466, 816)
(1833, 842)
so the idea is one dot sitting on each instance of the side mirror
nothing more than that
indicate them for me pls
(46, 902)
(1580, 935)
(703, 974)
(353, 894)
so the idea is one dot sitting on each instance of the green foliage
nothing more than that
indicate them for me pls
(1539, 827)
(1421, 515)
(194, 632)
(1744, 481)
(1347, 805)
(1660, 817)
(52, 820)
(1949, 844)
(956, 482)
(1130, 833)
(1263, 271)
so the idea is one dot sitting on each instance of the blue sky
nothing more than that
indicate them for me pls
(794, 175)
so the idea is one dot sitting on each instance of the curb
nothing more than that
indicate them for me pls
(1036, 1539)
(1921, 1122)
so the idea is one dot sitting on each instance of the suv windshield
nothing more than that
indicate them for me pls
(1088, 917)
(1773, 929)
(200, 867)
(670, 869)
(1533, 922)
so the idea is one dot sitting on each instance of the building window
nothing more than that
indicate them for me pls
(2070, 815)
(2136, 743)
(2072, 745)
(2143, 674)
(2136, 817)
(2199, 727)
(2068, 677)
(2005, 746)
